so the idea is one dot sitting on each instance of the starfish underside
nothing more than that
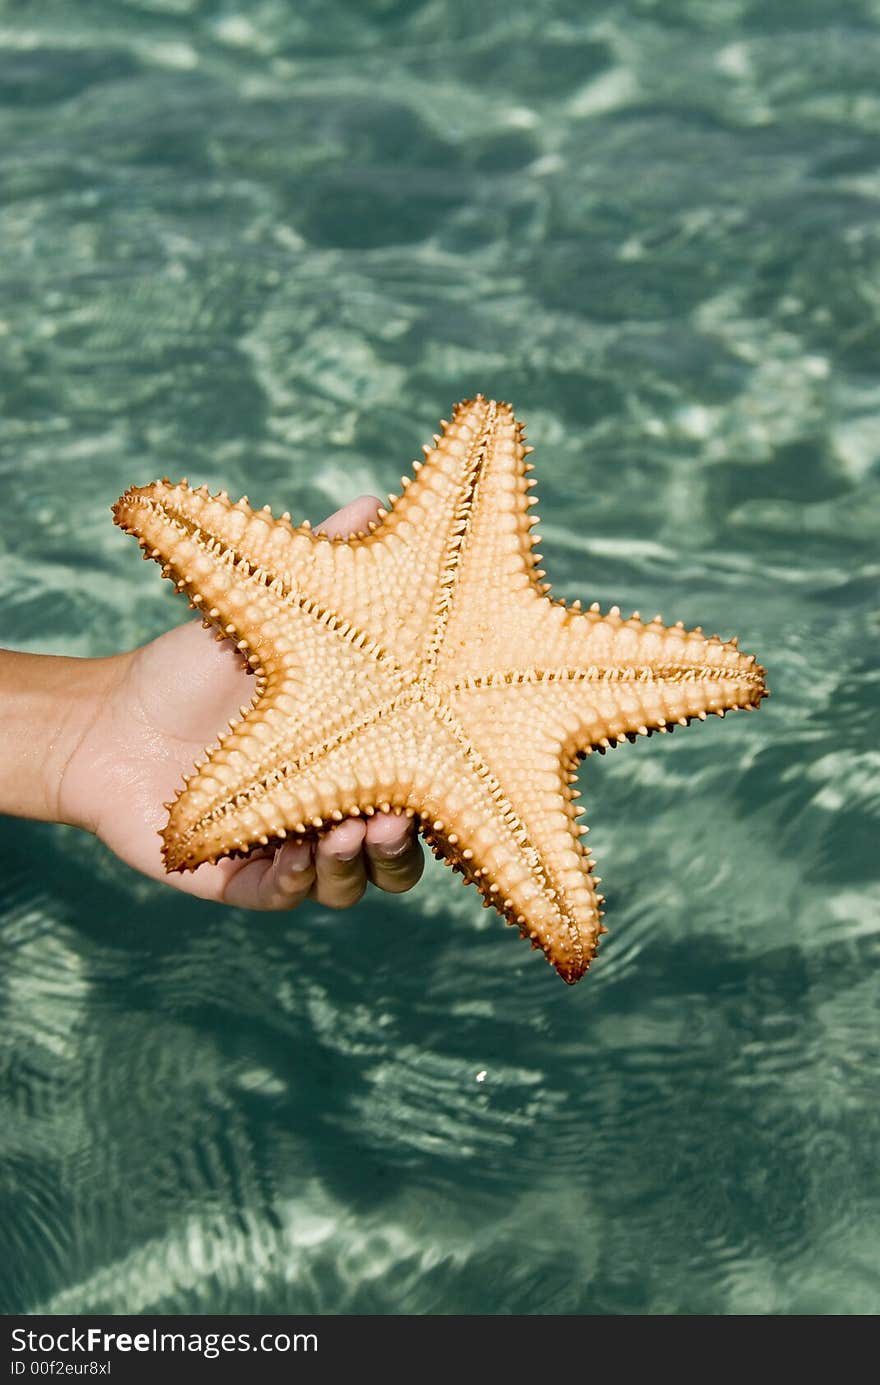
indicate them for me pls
(423, 668)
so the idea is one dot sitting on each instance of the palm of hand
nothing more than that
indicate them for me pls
(174, 695)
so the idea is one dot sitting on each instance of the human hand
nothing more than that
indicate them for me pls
(160, 707)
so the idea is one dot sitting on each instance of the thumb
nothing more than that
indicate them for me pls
(352, 518)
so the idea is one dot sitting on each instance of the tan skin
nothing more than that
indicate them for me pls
(104, 743)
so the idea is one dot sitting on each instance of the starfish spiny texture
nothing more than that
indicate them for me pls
(423, 668)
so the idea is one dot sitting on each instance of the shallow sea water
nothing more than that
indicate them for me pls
(267, 247)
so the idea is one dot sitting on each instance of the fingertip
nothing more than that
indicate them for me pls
(293, 874)
(343, 842)
(271, 881)
(394, 853)
(391, 833)
(293, 858)
(340, 868)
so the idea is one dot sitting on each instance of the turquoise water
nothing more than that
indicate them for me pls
(267, 247)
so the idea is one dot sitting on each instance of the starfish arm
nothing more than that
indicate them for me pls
(631, 675)
(636, 677)
(272, 618)
(622, 676)
(519, 742)
(480, 462)
(461, 518)
(270, 778)
(391, 758)
(527, 727)
(255, 537)
(202, 543)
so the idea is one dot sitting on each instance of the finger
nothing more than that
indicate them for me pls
(281, 880)
(352, 518)
(340, 870)
(395, 860)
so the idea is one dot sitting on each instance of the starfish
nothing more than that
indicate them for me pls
(422, 667)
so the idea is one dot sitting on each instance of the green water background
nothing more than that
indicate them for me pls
(267, 247)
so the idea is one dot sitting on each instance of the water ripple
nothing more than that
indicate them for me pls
(268, 251)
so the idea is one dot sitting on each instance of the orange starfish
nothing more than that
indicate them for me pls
(423, 668)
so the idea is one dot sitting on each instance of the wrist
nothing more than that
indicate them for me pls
(50, 705)
(73, 766)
